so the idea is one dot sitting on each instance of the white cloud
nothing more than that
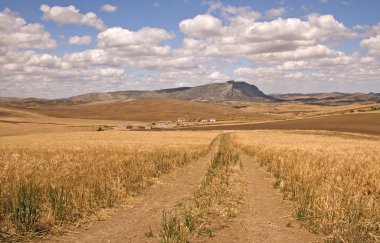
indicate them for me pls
(16, 33)
(315, 52)
(71, 15)
(48, 75)
(144, 42)
(201, 25)
(373, 45)
(89, 57)
(118, 37)
(141, 49)
(108, 8)
(243, 35)
(80, 40)
(295, 75)
(275, 12)
(292, 65)
(280, 54)
(333, 73)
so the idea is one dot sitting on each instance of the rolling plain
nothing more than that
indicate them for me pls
(314, 166)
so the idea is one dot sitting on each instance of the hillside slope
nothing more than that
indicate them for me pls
(229, 90)
(148, 110)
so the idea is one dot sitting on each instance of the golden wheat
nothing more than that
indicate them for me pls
(53, 179)
(333, 179)
(218, 199)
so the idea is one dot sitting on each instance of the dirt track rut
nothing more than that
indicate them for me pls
(265, 216)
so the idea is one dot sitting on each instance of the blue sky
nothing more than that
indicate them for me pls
(62, 48)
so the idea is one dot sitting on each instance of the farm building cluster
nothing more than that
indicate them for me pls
(168, 124)
(199, 119)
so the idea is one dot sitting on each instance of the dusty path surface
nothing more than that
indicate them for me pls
(264, 216)
(131, 221)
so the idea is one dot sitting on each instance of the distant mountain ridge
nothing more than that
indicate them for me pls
(214, 92)
(332, 98)
(218, 92)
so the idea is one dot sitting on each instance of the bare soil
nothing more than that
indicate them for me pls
(265, 216)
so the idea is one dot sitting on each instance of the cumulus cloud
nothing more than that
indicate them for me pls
(315, 52)
(294, 75)
(142, 49)
(71, 15)
(117, 37)
(244, 35)
(108, 8)
(275, 12)
(202, 25)
(371, 41)
(373, 45)
(80, 40)
(29, 74)
(16, 33)
(292, 65)
(93, 56)
(144, 42)
(275, 53)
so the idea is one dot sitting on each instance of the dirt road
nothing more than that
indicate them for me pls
(265, 217)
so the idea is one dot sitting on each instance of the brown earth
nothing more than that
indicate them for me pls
(367, 123)
(265, 217)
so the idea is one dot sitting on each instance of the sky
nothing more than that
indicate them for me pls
(61, 48)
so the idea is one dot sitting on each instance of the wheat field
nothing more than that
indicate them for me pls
(51, 180)
(333, 179)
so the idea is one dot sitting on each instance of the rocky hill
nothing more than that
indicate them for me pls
(218, 92)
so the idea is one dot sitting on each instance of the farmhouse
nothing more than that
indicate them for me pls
(183, 120)
(199, 119)
(125, 127)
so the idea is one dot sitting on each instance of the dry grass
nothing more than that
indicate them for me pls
(218, 199)
(50, 180)
(334, 181)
